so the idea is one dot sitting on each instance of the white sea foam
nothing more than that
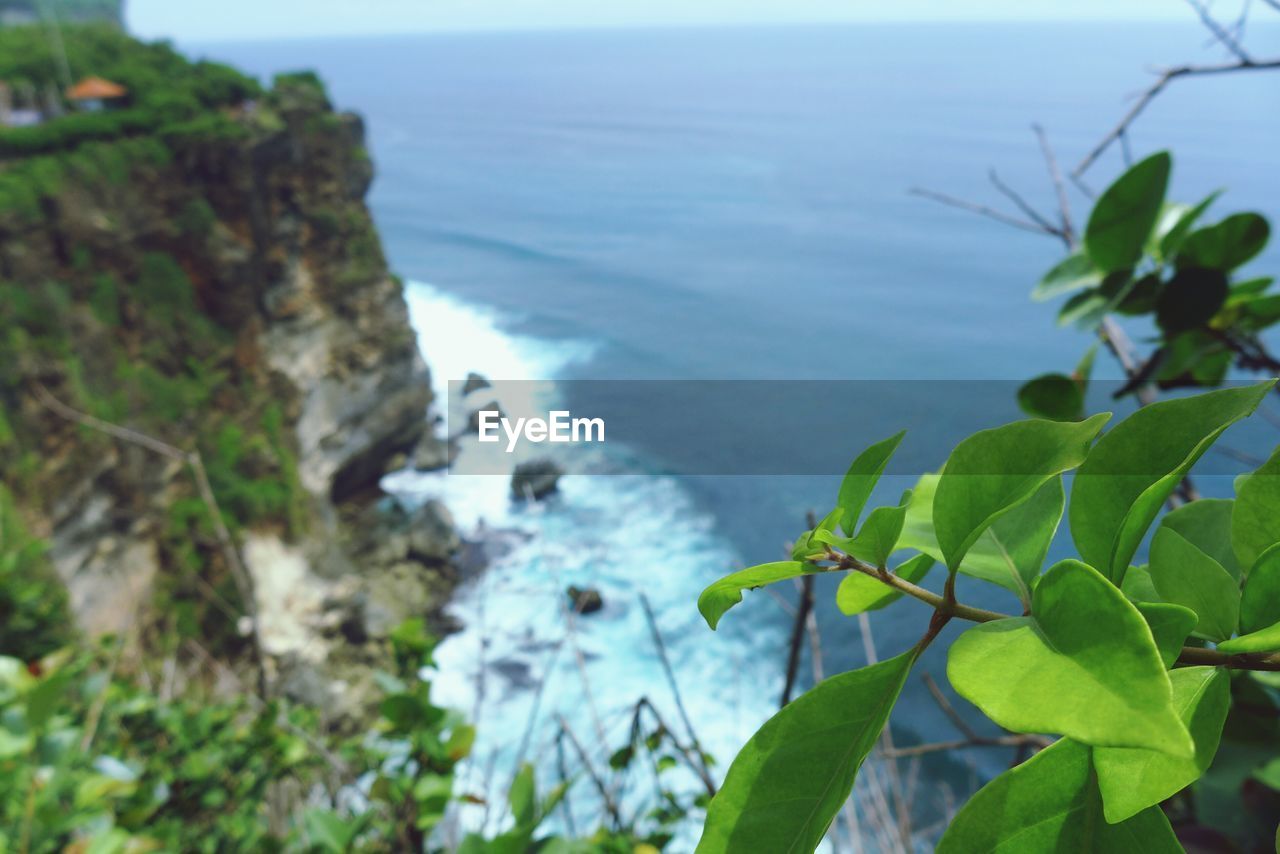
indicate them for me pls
(625, 535)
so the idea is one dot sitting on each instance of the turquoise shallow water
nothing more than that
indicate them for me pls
(732, 204)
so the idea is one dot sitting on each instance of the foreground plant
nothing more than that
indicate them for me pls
(1131, 665)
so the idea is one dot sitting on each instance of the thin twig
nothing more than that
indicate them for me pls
(661, 646)
(1144, 100)
(1059, 186)
(1021, 204)
(798, 624)
(609, 805)
(981, 210)
(1220, 33)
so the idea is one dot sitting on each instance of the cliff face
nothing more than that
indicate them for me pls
(219, 289)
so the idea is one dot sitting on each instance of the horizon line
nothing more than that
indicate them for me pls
(518, 29)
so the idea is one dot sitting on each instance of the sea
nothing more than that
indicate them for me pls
(733, 204)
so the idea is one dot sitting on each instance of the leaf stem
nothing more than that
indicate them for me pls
(1190, 655)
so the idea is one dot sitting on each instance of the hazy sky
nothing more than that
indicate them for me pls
(233, 19)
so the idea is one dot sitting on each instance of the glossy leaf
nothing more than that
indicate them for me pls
(811, 543)
(1260, 602)
(1130, 472)
(861, 478)
(1083, 641)
(992, 471)
(1206, 524)
(1070, 275)
(1051, 803)
(1010, 553)
(1184, 575)
(1138, 587)
(1171, 240)
(858, 592)
(1170, 624)
(793, 776)
(1056, 397)
(1263, 640)
(1226, 245)
(878, 536)
(1131, 780)
(727, 592)
(1255, 522)
(1126, 213)
(1190, 299)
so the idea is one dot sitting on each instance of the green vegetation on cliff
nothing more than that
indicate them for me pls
(66, 11)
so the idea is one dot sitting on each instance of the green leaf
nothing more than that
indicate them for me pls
(1056, 397)
(44, 697)
(1226, 245)
(1084, 641)
(1131, 779)
(1255, 522)
(1170, 624)
(1190, 299)
(806, 545)
(1138, 587)
(1171, 240)
(1260, 602)
(1206, 524)
(524, 797)
(864, 472)
(727, 592)
(1051, 803)
(1126, 213)
(1069, 275)
(1263, 640)
(859, 592)
(789, 781)
(327, 830)
(1130, 472)
(1010, 552)
(1184, 575)
(878, 536)
(992, 471)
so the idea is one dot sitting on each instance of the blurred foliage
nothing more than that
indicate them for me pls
(1149, 258)
(91, 762)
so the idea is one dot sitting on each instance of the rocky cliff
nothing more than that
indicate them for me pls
(218, 287)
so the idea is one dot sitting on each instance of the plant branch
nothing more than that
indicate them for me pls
(1190, 655)
(1163, 80)
(982, 210)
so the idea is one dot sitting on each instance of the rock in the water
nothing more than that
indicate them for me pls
(585, 600)
(535, 479)
(473, 420)
(474, 382)
(432, 536)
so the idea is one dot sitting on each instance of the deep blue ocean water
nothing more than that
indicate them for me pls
(732, 204)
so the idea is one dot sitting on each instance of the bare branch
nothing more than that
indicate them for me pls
(940, 746)
(1220, 33)
(1059, 186)
(705, 774)
(981, 210)
(1144, 100)
(803, 613)
(1022, 204)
